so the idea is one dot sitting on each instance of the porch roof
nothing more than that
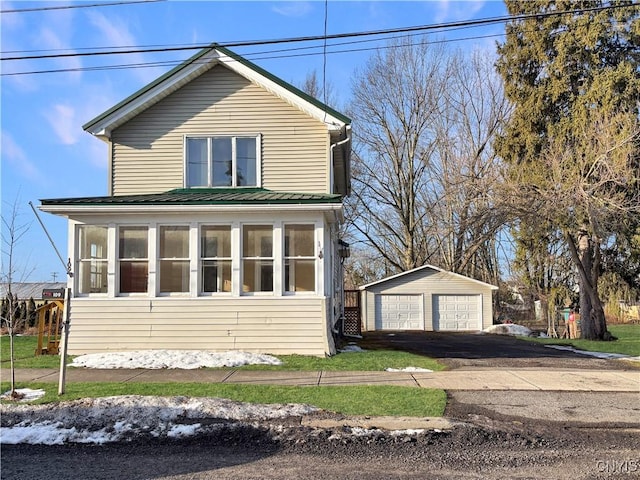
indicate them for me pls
(201, 196)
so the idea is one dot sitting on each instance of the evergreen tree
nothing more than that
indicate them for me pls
(573, 140)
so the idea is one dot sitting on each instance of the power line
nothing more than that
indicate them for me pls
(479, 22)
(250, 56)
(67, 7)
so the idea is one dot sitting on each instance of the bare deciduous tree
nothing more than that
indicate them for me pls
(425, 172)
(12, 231)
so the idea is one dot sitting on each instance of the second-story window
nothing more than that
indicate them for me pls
(224, 161)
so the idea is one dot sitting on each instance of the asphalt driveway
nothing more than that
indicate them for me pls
(470, 350)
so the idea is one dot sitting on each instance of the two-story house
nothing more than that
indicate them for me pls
(220, 228)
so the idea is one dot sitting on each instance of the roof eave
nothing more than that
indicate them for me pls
(93, 209)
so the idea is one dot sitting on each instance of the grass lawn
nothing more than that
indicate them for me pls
(352, 400)
(628, 342)
(348, 361)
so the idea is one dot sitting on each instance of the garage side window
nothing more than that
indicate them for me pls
(174, 259)
(257, 258)
(299, 258)
(215, 259)
(133, 253)
(92, 259)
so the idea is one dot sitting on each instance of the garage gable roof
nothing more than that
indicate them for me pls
(426, 267)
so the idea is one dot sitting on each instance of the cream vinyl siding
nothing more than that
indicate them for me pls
(429, 283)
(266, 325)
(148, 151)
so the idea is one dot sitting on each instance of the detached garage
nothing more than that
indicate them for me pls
(427, 298)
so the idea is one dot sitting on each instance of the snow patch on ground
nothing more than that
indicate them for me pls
(112, 419)
(352, 348)
(508, 329)
(26, 394)
(605, 355)
(182, 359)
(408, 369)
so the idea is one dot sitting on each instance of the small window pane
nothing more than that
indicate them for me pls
(134, 276)
(93, 242)
(174, 276)
(133, 242)
(257, 241)
(197, 162)
(257, 276)
(222, 162)
(215, 241)
(300, 275)
(246, 162)
(299, 240)
(216, 276)
(174, 242)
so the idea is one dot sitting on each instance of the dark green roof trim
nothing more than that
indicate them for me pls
(237, 58)
(202, 196)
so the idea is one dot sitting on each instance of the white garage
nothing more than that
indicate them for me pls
(427, 298)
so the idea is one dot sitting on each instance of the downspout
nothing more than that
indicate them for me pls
(347, 164)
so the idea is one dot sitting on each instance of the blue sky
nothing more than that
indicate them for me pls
(46, 154)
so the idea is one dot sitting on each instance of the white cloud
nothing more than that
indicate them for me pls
(11, 20)
(115, 33)
(457, 10)
(53, 41)
(64, 122)
(293, 9)
(15, 155)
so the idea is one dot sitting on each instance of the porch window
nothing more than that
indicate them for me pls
(299, 258)
(133, 259)
(174, 259)
(257, 258)
(215, 259)
(92, 259)
(231, 161)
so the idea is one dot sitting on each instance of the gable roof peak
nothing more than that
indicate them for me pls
(193, 67)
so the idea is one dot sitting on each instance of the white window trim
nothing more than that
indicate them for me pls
(200, 258)
(117, 260)
(159, 259)
(79, 261)
(209, 137)
(273, 258)
(313, 257)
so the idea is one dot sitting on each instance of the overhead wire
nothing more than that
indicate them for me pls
(477, 22)
(267, 55)
(68, 7)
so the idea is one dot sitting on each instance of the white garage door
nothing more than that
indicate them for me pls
(399, 312)
(457, 312)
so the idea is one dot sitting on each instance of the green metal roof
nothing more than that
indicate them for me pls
(202, 196)
(236, 57)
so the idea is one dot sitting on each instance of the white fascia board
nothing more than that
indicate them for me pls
(401, 274)
(70, 210)
(332, 123)
(104, 127)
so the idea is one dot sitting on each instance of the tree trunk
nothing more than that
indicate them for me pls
(593, 325)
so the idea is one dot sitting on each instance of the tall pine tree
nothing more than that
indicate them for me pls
(572, 72)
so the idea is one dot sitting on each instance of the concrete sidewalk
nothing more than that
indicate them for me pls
(482, 379)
